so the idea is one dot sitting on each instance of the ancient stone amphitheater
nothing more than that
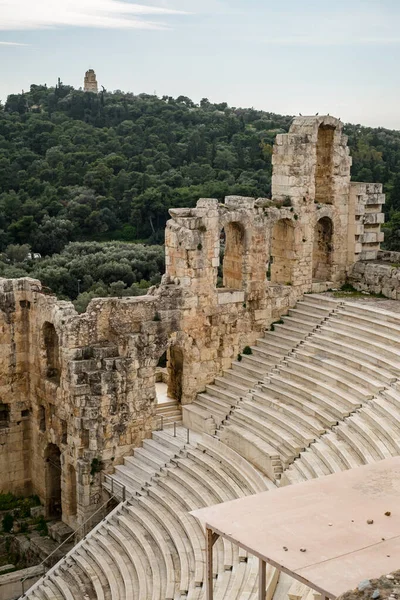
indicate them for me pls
(271, 381)
(319, 394)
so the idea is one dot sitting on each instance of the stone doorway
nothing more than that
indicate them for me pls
(230, 272)
(169, 376)
(53, 481)
(72, 499)
(322, 250)
(282, 254)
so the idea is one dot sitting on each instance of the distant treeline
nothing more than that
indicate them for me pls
(78, 166)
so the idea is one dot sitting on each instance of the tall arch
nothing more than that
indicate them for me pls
(175, 370)
(53, 481)
(52, 349)
(282, 252)
(72, 500)
(324, 166)
(322, 250)
(231, 256)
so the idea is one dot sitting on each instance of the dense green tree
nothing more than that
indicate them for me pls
(76, 166)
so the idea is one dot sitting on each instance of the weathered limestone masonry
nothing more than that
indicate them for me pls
(381, 276)
(78, 391)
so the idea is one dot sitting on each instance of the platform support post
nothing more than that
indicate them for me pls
(211, 538)
(262, 579)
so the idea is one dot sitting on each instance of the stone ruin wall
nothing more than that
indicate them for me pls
(76, 389)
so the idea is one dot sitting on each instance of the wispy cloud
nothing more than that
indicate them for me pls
(115, 14)
(12, 44)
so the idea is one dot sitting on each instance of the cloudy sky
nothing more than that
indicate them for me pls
(339, 57)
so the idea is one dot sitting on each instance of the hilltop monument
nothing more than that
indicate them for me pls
(90, 82)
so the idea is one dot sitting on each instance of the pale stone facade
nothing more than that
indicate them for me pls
(90, 82)
(78, 391)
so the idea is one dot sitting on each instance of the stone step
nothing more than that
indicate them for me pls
(330, 459)
(282, 421)
(200, 418)
(240, 376)
(286, 445)
(350, 435)
(90, 573)
(339, 447)
(323, 301)
(289, 395)
(316, 309)
(289, 411)
(234, 463)
(178, 513)
(373, 312)
(365, 321)
(253, 448)
(215, 404)
(252, 372)
(343, 355)
(149, 458)
(343, 382)
(340, 369)
(158, 543)
(373, 337)
(359, 348)
(175, 535)
(325, 397)
(145, 557)
(228, 396)
(296, 325)
(109, 540)
(259, 361)
(226, 383)
(370, 436)
(305, 315)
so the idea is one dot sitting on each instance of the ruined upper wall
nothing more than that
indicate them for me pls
(296, 159)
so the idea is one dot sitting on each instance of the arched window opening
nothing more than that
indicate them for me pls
(322, 250)
(4, 415)
(52, 348)
(53, 481)
(169, 376)
(324, 167)
(280, 268)
(72, 501)
(42, 418)
(230, 272)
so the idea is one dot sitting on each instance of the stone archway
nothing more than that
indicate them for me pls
(52, 349)
(322, 250)
(231, 255)
(53, 481)
(324, 166)
(282, 252)
(169, 372)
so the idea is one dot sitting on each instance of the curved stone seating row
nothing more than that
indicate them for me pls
(211, 407)
(150, 547)
(371, 434)
(315, 387)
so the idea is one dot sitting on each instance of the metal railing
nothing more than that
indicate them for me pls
(175, 424)
(85, 531)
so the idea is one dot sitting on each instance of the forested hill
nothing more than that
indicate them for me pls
(81, 166)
